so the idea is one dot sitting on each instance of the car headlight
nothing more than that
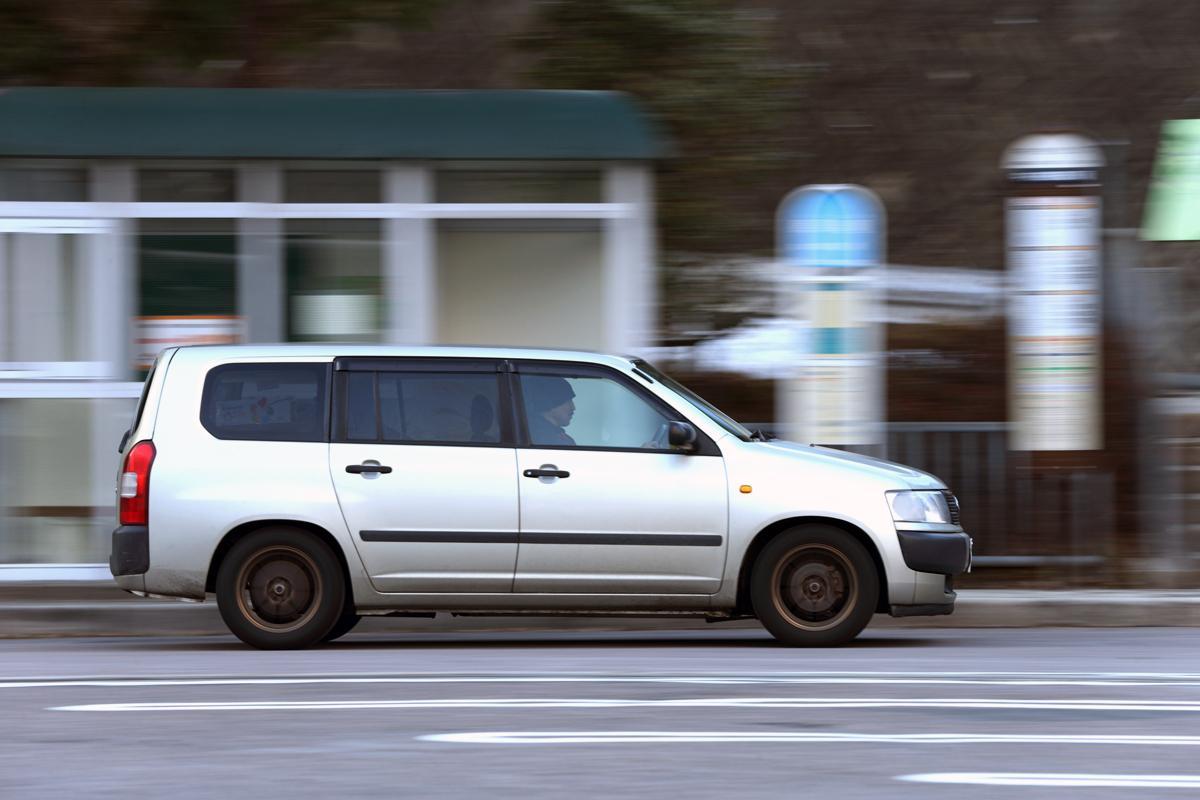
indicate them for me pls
(912, 506)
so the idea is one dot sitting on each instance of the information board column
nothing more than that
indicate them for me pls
(1055, 325)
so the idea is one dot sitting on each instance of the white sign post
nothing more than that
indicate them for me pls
(830, 241)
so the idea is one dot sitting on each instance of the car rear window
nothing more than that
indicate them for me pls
(267, 402)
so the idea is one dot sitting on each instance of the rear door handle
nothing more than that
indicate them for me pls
(546, 473)
(358, 469)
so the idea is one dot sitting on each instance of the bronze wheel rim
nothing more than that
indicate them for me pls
(279, 589)
(814, 587)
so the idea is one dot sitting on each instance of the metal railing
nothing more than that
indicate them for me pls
(1018, 518)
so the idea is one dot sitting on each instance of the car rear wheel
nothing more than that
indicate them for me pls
(344, 625)
(280, 588)
(814, 586)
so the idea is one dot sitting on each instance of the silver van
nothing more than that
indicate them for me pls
(306, 486)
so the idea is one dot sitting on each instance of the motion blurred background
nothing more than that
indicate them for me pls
(606, 174)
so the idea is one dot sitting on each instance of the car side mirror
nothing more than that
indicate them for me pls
(681, 436)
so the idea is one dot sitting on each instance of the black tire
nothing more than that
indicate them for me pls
(814, 586)
(280, 589)
(344, 625)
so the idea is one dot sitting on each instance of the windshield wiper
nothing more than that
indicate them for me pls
(757, 435)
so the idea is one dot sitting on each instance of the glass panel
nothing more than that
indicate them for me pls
(539, 289)
(334, 281)
(188, 266)
(524, 186)
(265, 402)
(39, 289)
(332, 186)
(58, 460)
(712, 412)
(432, 407)
(360, 407)
(44, 184)
(188, 185)
(187, 276)
(589, 412)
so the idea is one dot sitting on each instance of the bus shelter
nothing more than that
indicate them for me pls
(136, 219)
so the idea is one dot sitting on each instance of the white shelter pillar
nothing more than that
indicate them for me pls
(109, 294)
(261, 283)
(113, 273)
(410, 258)
(630, 277)
(5, 301)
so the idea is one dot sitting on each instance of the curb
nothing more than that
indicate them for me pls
(98, 610)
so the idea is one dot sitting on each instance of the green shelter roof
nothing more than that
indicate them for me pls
(303, 123)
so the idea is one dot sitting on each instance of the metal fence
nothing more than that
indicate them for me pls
(1178, 449)
(1017, 518)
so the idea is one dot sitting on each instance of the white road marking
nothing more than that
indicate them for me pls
(674, 703)
(716, 737)
(1097, 679)
(1058, 779)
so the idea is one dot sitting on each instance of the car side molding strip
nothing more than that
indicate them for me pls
(490, 537)
(447, 537)
(648, 539)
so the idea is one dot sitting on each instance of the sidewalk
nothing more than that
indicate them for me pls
(101, 609)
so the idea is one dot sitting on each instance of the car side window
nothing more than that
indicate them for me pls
(265, 402)
(422, 407)
(588, 410)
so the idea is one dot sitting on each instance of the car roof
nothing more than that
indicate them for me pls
(333, 350)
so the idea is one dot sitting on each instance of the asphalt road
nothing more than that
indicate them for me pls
(695, 714)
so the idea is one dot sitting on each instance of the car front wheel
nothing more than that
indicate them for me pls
(814, 586)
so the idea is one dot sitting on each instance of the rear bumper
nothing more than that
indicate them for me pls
(941, 553)
(130, 551)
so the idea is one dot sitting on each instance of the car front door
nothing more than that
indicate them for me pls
(607, 506)
(423, 461)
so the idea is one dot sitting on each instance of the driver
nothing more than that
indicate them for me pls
(550, 404)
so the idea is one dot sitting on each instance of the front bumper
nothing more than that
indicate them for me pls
(130, 551)
(939, 552)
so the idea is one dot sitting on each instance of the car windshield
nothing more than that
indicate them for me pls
(708, 409)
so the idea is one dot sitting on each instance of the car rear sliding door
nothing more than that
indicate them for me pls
(425, 470)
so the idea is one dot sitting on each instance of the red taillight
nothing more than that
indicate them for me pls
(135, 484)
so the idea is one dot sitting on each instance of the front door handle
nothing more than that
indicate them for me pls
(358, 469)
(546, 473)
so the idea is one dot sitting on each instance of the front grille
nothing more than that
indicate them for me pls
(952, 502)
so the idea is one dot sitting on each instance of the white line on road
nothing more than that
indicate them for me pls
(676, 703)
(1058, 779)
(717, 737)
(814, 678)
